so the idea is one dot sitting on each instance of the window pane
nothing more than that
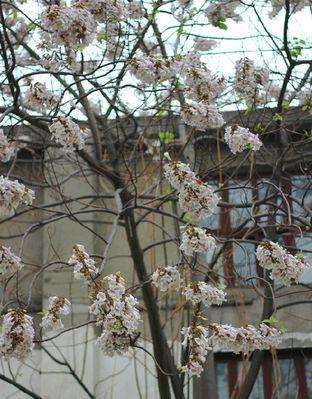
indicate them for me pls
(211, 221)
(263, 209)
(245, 262)
(302, 193)
(222, 381)
(239, 194)
(308, 371)
(305, 243)
(218, 265)
(257, 390)
(288, 384)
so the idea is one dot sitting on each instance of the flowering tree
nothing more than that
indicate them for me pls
(87, 80)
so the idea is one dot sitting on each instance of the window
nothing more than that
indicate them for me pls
(238, 259)
(291, 367)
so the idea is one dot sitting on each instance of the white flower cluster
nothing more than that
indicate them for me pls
(118, 316)
(284, 266)
(6, 149)
(244, 339)
(190, 60)
(201, 115)
(135, 10)
(202, 86)
(178, 173)
(51, 62)
(39, 98)
(151, 69)
(9, 262)
(57, 306)
(196, 337)
(195, 196)
(105, 10)
(218, 12)
(16, 339)
(111, 13)
(208, 294)
(239, 139)
(67, 133)
(84, 266)
(196, 239)
(198, 199)
(202, 44)
(295, 5)
(165, 278)
(12, 195)
(71, 27)
(251, 82)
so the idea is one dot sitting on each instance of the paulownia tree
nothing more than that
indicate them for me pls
(83, 85)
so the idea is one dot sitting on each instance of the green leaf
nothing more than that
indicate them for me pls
(166, 137)
(117, 324)
(285, 105)
(161, 112)
(222, 26)
(300, 256)
(278, 118)
(258, 128)
(186, 217)
(43, 312)
(102, 36)
(272, 321)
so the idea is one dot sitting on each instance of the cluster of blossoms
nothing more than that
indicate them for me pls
(135, 10)
(16, 339)
(197, 339)
(111, 13)
(202, 44)
(195, 196)
(250, 82)
(39, 98)
(239, 139)
(71, 27)
(178, 173)
(151, 69)
(9, 262)
(218, 12)
(198, 199)
(57, 306)
(165, 278)
(295, 5)
(104, 10)
(284, 266)
(118, 316)
(12, 195)
(196, 239)
(208, 294)
(244, 339)
(6, 149)
(67, 133)
(51, 62)
(201, 115)
(84, 266)
(202, 86)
